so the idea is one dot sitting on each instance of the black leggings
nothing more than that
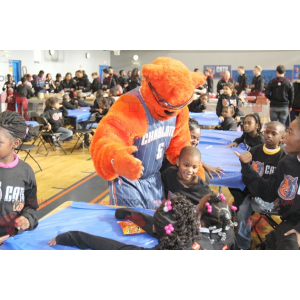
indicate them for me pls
(276, 240)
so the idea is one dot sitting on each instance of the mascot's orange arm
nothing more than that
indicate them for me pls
(181, 139)
(125, 121)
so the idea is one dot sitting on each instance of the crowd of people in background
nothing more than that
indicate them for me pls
(284, 96)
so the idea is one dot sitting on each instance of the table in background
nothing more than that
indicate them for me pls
(76, 116)
(32, 123)
(248, 108)
(214, 152)
(79, 216)
(36, 104)
(209, 118)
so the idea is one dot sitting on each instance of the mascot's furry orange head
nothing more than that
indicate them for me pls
(168, 86)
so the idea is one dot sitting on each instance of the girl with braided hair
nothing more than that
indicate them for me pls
(215, 219)
(18, 202)
(175, 225)
(252, 137)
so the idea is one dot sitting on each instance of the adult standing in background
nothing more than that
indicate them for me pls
(82, 83)
(242, 82)
(258, 81)
(24, 93)
(114, 75)
(39, 83)
(296, 103)
(68, 85)
(96, 84)
(280, 92)
(9, 84)
(58, 83)
(122, 81)
(209, 80)
(108, 80)
(134, 81)
(222, 81)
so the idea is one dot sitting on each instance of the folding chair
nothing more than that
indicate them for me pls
(47, 136)
(270, 221)
(28, 147)
(86, 129)
(32, 114)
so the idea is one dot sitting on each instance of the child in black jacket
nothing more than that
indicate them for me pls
(54, 113)
(68, 104)
(283, 188)
(184, 179)
(199, 105)
(18, 200)
(227, 114)
(229, 98)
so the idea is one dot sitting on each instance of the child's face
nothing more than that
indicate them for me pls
(273, 136)
(206, 73)
(7, 146)
(227, 112)
(227, 91)
(195, 137)
(56, 105)
(102, 106)
(188, 166)
(204, 100)
(292, 138)
(250, 125)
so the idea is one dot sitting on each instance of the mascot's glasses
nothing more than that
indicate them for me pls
(162, 102)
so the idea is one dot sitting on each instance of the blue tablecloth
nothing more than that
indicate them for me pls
(215, 153)
(208, 118)
(81, 115)
(94, 219)
(32, 123)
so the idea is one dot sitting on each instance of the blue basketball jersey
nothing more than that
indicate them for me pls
(152, 146)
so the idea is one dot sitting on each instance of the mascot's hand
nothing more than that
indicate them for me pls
(126, 165)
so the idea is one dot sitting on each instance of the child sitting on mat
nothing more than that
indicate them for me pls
(283, 188)
(18, 202)
(228, 121)
(175, 225)
(199, 105)
(184, 179)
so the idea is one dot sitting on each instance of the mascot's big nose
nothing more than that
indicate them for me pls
(167, 112)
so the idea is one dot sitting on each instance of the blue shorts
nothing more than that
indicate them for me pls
(143, 193)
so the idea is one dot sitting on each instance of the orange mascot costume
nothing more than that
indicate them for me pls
(130, 141)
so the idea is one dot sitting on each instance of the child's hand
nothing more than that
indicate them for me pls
(214, 170)
(237, 118)
(49, 126)
(3, 238)
(248, 91)
(52, 242)
(297, 235)
(79, 107)
(76, 101)
(221, 118)
(245, 157)
(25, 223)
(232, 145)
(100, 110)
